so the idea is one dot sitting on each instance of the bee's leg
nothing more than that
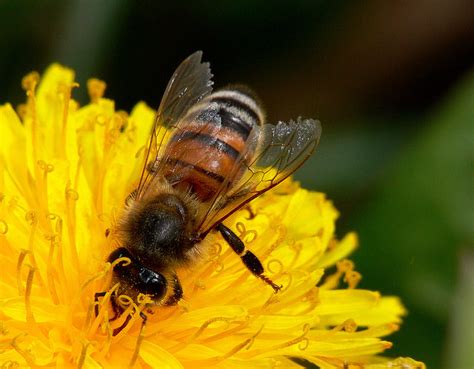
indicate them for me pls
(177, 292)
(248, 257)
(115, 307)
(96, 301)
(131, 196)
(118, 310)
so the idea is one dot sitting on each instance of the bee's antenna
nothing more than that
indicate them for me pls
(140, 338)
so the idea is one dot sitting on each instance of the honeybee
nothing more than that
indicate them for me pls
(209, 154)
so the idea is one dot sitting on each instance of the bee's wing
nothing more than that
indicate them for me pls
(280, 150)
(191, 81)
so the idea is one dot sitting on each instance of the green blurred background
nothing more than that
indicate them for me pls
(391, 81)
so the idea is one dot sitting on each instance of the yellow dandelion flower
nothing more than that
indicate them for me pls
(65, 171)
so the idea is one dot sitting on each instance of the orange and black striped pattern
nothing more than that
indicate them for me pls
(203, 151)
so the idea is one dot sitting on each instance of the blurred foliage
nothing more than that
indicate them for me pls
(397, 149)
(414, 227)
(416, 220)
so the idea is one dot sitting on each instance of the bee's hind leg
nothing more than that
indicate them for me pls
(249, 259)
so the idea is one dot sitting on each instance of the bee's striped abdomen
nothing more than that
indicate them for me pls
(202, 153)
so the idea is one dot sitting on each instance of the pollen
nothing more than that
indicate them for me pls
(65, 172)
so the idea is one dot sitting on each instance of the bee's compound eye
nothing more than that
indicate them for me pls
(151, 283)
(135, 277)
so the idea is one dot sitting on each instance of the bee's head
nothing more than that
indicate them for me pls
(134, 278)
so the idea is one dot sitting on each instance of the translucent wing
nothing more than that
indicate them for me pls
(191, 81)
(281, 149)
